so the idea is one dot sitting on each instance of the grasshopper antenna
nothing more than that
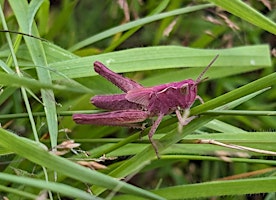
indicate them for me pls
(204, 71)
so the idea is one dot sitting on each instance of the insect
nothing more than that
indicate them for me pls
(139, 103)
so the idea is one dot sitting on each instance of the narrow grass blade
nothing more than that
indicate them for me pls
(246, 12)
(14, 81)
(64, 190)
(17, 192)
(214, 188)
(33, 8)
(38, 154)
(135, 23)
(218, 188)
(164, 57)
(39, 58)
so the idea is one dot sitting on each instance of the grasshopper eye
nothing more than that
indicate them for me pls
(184, 90)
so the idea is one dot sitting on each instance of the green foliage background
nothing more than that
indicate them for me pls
(48, 77)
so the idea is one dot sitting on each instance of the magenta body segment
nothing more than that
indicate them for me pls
(129, 118)
(114, 102)
(165, 98)
(121, 82)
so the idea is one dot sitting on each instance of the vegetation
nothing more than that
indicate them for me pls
(47, 75)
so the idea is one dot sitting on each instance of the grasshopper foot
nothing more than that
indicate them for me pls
(184, 119)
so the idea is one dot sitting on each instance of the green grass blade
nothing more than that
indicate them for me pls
(214, 188)
(14, 81)
(61, 19)
(246, 12)
(39, 58)
(63, 189)
(162, 5)
(33, 8)
(17, 192)
(241, 112)
(222, 127)
(252, 87)
(165, 57)
(6, 68)
(217, 188)
(26, 148)
(135, 23)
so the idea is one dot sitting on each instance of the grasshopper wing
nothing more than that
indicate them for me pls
(140, 96)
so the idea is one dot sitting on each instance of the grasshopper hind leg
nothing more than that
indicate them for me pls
(128, 118)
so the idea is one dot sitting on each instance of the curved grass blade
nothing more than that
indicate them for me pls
(56, 187)
(37, 53)
(37, 153)
(164, 57)
(135, 23)
(246, 12)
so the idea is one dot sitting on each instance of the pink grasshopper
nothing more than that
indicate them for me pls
(139, 103)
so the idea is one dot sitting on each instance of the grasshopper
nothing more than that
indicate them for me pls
(139, 103)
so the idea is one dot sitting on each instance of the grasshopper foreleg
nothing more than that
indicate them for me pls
(200, 99)
(183, 120)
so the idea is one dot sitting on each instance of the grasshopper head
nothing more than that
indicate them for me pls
(187, 93)
(188, 88)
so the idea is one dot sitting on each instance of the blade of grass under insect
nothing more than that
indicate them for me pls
(62, 189)
(238, 187)
(241, 112)
(135, 23)
(38, 56)
(260, 141)
(141, 159)
(246, 12)
(238, 137)
(26, 148)
(195, 145)
(222, 127)
(164, 57)
(236, 103)
(214, 188)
